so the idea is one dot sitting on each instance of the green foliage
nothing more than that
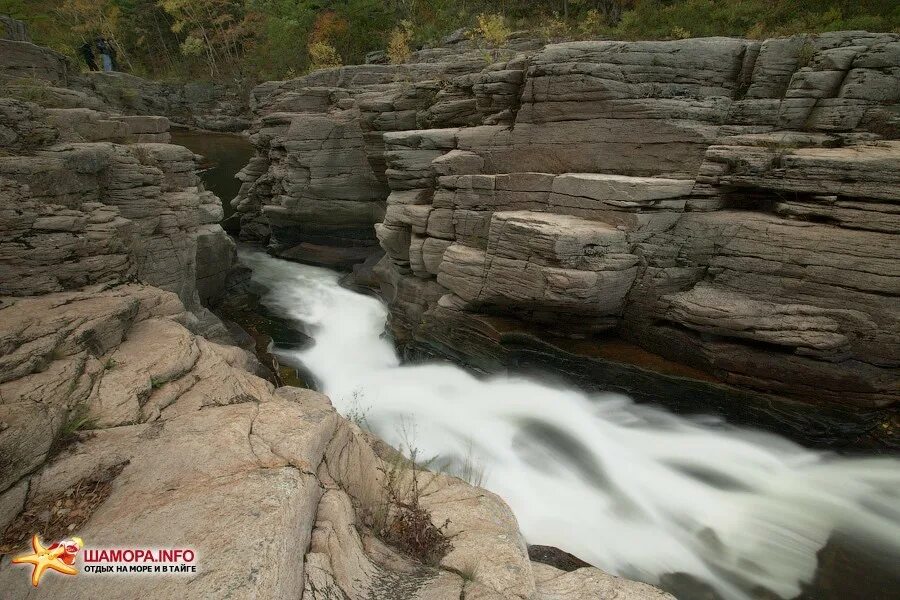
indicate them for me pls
(29, 90)
(554, 29)
(79, 419)
(273, 39)
(491, 27)
(754, 18)
(158, 382)
(323, 55)
(356, 412)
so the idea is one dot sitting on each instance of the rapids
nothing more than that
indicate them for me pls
(633, 489)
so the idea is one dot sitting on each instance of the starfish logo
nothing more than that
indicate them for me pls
(58, 557)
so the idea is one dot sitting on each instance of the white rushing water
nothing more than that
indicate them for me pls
(632, 489)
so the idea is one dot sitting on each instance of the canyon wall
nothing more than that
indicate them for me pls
(129, 418)
(36, 74)
(723, 209)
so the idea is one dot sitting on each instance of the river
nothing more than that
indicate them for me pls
(734, 512)
(633, 489)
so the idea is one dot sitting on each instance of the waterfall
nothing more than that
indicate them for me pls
(633, 489)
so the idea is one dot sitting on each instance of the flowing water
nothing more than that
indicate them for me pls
(632, 489)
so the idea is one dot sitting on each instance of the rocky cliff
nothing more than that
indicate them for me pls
(36, 74)
(718, 209)
(127, 417)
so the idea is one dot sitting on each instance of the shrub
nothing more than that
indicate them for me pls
(555, 28)
(398, 49)
(323, 55)
(356, 412)
(492, 28)
(592, 23)
(680, 33)
(405, 523)
(805, 56)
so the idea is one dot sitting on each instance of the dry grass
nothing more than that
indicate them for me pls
(407, 525)
(58, 516)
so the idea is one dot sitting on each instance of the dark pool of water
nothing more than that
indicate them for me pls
(225, 155)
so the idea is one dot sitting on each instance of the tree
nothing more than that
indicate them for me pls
(213, 29)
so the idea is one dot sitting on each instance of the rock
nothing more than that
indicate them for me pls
(216, 256)
(13, 29)
(669, 190)
(293, 481)
(205, 105)
(559, 183)
(554, 557)
(24, 63)
(76, 247)
(587, 583)
(23, 128)
(553, 263)
(115, 378)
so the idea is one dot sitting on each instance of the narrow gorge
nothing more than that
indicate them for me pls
(645, 293)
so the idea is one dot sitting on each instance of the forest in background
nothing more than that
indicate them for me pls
(257, 40)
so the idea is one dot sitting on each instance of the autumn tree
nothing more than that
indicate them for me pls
(213, 29)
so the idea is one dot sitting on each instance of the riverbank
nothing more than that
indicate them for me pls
(119, 382)
(131, 418)
(612, 457)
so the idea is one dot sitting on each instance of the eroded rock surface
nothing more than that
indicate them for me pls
(40, 75)
(113, 370)
(727, 204)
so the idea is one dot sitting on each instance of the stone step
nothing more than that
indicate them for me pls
(623, 191)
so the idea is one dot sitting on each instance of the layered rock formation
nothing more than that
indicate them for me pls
(272, 488)
(13, 29)
(80, 212)
(128, 418)
(725, 204)
(40, 75)
(319, 183)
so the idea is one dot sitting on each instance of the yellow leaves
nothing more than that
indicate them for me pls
(90, 18)
(171, 6)
(398, 49)
(323, 55)
(192, 46)
(492, 28)
(680, 33)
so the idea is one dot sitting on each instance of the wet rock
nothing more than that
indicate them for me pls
(554, 557)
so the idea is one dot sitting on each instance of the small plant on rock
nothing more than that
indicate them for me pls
(79, 419)
(407, 524)
(356, 412)
(491, 27)
(399, 49)
(323, 55)
(680, 33)
(805, 55)
(399, 518)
